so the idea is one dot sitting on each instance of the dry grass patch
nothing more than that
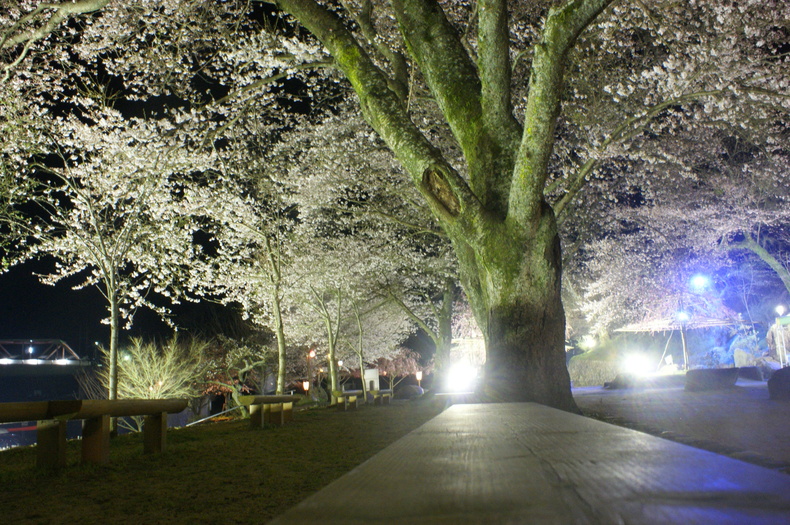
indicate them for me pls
(214, 473)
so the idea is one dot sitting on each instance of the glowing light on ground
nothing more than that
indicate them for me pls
(637, 364)
(461, 378)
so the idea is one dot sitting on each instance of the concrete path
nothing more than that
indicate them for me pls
(527, 463)
(740, 422)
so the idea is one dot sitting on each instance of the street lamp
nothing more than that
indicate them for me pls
(683, 317)
(310, 356)
(699, 282)
(780, 322)
(306, 386)
(419, 378)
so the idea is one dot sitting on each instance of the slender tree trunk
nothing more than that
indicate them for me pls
(332, 364)
(115, 326)
(280, 333)
(275, 277)
(360, 350)
(443, 339)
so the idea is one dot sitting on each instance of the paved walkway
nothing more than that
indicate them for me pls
(527, 463)
(741, 422)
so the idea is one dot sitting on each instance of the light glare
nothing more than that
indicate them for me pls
(461, 378)
(637, 364)
(700, 282)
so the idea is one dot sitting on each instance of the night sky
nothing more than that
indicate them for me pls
(31, 310)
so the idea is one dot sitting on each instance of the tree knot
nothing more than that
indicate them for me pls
(435, 182)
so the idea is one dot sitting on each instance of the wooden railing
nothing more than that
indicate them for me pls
(53, 415)
(51, 418)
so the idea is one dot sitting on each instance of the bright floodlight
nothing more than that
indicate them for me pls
(461, 378)
(780, 310)
(587, 342)
(683, 316)
(700, 282)
(637, 364)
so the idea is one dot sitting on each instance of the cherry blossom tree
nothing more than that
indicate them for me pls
(251, 259)
(345, 172)
(503, 115)
(233, 365)
(497, 206)
(731, 211)
(400, 366)
(380, 327)
(116, 213)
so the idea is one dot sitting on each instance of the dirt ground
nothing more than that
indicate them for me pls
(741, 422)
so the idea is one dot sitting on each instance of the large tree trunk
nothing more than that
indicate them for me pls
(514, 288)
(443, 339)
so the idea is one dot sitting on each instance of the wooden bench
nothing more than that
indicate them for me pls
(276, 410)
(527, 463)
(347, 399)
(51, 417)
(381, 397)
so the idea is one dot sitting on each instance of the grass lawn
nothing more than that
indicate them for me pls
(211, 473)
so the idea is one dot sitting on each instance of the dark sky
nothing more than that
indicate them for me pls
(31, 310)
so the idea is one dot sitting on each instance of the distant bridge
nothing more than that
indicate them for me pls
(36, 351)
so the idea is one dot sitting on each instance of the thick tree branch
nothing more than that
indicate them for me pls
(445, 190)
(756, 248)
(411, 314)
(450, 73)
(560, 31)
(493, 64)
(399, 82)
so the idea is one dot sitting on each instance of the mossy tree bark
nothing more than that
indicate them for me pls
(501, 227)
(753, 245)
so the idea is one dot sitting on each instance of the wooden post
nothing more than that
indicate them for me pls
(96, 440)
(341, 403)
(288, 412)
(155, 433)
(256, 416)
(277, 414)
(51, 443)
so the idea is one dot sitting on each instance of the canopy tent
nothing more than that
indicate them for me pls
(687, 311)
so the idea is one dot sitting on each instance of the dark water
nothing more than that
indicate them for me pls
(19, 383)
